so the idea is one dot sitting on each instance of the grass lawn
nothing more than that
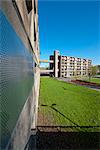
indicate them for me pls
(66, 104)
(95, 80)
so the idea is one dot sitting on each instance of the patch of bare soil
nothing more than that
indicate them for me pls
(45, 121)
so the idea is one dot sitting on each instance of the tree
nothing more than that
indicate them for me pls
(98, 69)
(94, 70)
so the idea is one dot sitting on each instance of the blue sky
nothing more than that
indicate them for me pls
(71, 27)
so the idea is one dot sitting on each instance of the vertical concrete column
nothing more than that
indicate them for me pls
(31, 27)
(56, 54)
(87, 68)
(81, 67)
(60, 67)
(75, 69)
(68, 66)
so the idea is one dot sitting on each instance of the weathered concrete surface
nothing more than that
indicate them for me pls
(65, 66)
(45, 71)
(21, 132)
(27, 119)
(28, 116)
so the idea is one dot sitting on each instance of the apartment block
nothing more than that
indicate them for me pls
(66, 66)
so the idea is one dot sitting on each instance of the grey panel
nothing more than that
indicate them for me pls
(16, 78)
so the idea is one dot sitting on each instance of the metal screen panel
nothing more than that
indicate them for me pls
(16, 78)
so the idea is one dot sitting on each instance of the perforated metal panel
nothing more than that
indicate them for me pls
(16, 78)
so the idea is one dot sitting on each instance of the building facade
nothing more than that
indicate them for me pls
(65, 66)
(19, 72)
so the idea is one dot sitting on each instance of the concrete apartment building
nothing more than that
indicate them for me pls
(65, 66)
(19, 72)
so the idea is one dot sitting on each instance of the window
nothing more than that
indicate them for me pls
(29, 5)
(34, 33)
(34, 7)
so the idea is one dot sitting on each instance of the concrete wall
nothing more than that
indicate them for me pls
(65, 66)
(56, 54)
(23, 24)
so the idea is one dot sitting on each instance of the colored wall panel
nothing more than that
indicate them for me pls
(16, 78)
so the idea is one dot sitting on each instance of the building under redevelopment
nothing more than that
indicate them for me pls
(65, 66)
(19, 72)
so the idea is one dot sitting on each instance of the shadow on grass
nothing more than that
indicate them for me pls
(54, 137)
(75, 125)
(65, 140)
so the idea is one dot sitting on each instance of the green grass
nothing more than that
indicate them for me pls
(74, 105)
(95, 80)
